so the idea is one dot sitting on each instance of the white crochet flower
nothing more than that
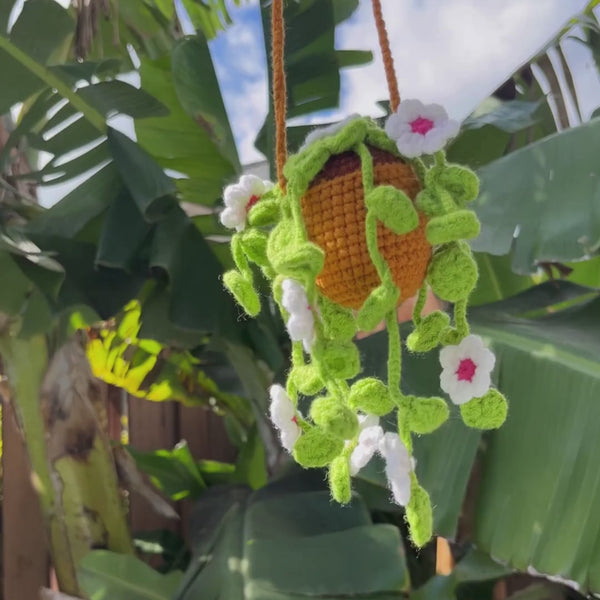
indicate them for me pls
(283, 416)
(239, 199)
(398, 466)
(301, 322)
(419, 128)
(466, 369)
(398, 463)
(368, 442)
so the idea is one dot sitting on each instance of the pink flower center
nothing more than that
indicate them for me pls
(421, 125)
(466, 370)
(253, 200)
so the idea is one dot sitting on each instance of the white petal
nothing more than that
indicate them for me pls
(289, 435)
(486, 360)
(472, 345)
(360, 456)
(396, 125)
(293, 297)
(252, 185)
(371, 437)
(235, 196)
(282, 409)
(233, 218)
(451, 128)
(400, 485)
(365, 421)
(462, 392)
(301, 326)
(449, 357)
(433, 141)
(398, 466)
(410, 144)
(308, 342)
(437, 113)
(411, 109)
(448, 381)
(481, 383)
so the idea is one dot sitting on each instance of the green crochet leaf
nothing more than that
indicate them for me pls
(393, 208)
(452, 227)
(419, 514)
(292, 257)
(338, 322)
(265, 212)
(425, 415)
(339, 480)
(306, 379)
(317, 448)
(339, 359)
(428, 201)
(461, 182)
(242, 291)
(254, 243)
(381, 301)
(487, 412)
(371, 396)
(452, 273)
(334, 417)
(428, 333)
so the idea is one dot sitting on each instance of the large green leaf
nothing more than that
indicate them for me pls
(286, 542)
(549, 194)
(173, 472)
(40, 31)
(197, 88)
(539, 490)
(496, 280)
(147, 369)
(195, 139)
(105, 575)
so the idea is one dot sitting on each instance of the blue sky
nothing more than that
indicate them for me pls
(454, 52)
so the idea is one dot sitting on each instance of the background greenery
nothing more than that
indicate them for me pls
(120, 256)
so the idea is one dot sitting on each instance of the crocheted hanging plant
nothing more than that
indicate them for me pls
(365, 223)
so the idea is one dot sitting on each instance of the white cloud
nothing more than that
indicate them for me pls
(454, 52)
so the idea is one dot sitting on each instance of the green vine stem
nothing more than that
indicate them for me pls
(394, 376)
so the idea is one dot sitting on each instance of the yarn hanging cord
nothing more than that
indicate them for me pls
(279, 82)
(279, 87)
(386, 53)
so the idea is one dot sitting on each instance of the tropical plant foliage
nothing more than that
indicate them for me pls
(119, 258)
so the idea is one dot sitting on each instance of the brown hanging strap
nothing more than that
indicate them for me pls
(279, 85)
(388, 61)
(279, 91)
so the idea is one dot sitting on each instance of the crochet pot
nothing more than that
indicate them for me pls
(334, 215)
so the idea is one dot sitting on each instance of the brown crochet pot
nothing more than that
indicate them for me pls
(334, 213)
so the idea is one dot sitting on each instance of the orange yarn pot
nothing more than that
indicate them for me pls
(334, 214)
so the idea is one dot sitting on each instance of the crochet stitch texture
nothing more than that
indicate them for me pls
(334, 215)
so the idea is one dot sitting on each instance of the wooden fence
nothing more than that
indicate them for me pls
(25, 560)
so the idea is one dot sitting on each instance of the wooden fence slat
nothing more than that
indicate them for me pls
(24, 548)
(205, 434)
(152, 425)
(207, 438)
